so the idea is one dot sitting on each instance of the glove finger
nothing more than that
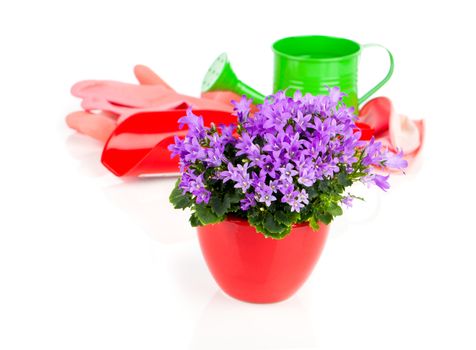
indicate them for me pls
(98, 126)
(147, 76)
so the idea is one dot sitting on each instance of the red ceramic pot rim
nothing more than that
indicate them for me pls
(244, 222)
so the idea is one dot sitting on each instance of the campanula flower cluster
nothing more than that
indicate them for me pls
(281, 157)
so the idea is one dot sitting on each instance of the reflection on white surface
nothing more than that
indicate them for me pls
(360, 213)
(189, 275)
(147, 201)
(226, 323)
(88, 152)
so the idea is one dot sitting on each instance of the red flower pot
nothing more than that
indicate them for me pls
(252, 268)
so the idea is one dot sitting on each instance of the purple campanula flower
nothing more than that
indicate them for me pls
(296, 199)
(335, 95)
(242, 108)
(284, 186)
(176, 148)
(289, 194)
(265, 195)
(287, 172)
(381, 181)
(293, 146)
(227, 133)
(258, 179)
(296, 205)
(242, 170)
(214, 140)
(244, 144)
(306, 177)
(344, 114)
(274, 185)
(185, 179)
(303, 197)
(194, 185)
(194, 150)
(373, 154)
(331, 167)
(302, 121)
(243, 183)
(248, 202)
(203, 196)
(277, 120)
(242, 178)
(227, 175)
(317, 125)
(347, 200)
(378, 180)
(394, 161)
(214, 156)
(254, 155)
(320, 105)
(267, 166)
(274, 143)
(282, 149)
(330, 127)
(258, 182)
(315, 147)
(297, 95)
(194, 123)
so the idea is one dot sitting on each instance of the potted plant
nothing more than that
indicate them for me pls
(263, 192)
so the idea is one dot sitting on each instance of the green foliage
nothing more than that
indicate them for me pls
(314, 224)
(194, 221)
(178, 199)
(220, 204)
(286, 217)
(276, 220)
(205, 214)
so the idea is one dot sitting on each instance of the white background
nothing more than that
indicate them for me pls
(88, 261)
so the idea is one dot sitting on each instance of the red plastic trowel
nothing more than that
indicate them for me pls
(138, 145)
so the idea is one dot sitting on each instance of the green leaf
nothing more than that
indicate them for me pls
(283, 233)
(234, 197)
(323, 186)
(178, 199)
(335, 209)
(326, 218)
(343, 179)
(206, 215)
(220, 205)
(272, 225)
(314, 224)
(306, 212)
(313, 191)
(286, 217)
(255, 216)
(194, 221)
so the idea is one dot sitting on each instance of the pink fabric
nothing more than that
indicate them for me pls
(124, 99)
(106, 103)
(396, 131)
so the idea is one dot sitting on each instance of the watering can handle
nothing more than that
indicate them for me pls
(384, 80)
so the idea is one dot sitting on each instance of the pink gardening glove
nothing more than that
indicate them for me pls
(107, 103)
(396, 131)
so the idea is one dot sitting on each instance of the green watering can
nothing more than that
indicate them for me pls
(305, 63)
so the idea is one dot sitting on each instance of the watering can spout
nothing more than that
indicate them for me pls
(221, 77)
